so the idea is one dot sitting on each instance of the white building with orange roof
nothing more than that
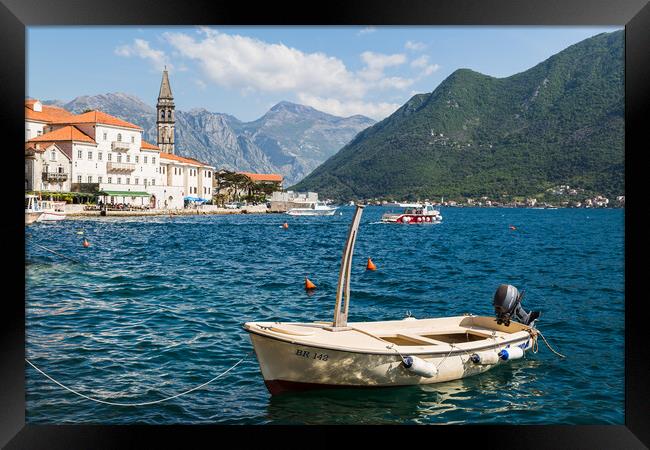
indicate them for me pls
(183, 180)
(108, 155)
(47, 167)
(37, 116)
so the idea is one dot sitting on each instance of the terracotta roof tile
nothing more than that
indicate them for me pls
(263, 176)
(48, 115)
(148, 146)
(97, 117)
(194, 162)
(68, 133)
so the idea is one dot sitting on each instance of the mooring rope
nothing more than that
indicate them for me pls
(141, 403)
(52, 251)
(549, 345)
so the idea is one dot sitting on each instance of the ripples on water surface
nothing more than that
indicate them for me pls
(155, 306)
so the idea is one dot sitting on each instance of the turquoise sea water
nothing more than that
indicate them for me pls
(155, 306)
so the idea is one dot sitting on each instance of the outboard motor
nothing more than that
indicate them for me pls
(507, 305)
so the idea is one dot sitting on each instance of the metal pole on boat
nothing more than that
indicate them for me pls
(341, 307)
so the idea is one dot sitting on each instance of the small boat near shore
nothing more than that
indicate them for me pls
(415, 213)
(313, 209)
(32, 210)
(52, 211)
(337, 354)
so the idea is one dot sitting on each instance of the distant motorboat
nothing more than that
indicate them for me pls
(314, 209)
(32, 209)
(52, 211)
(414, 213)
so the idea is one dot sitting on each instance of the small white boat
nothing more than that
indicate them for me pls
(300, 356)
(32, 210)
(52, 211)
(414, 213)
(313, 209)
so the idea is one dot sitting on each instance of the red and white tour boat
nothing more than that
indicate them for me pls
(413, 214)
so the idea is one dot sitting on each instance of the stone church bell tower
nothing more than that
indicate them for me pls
(165, 118)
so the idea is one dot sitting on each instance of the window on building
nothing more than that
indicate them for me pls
(78, 178)
(137, 181)
(119, 158)
(132, 139)
(137, 158)
(99, 156)
(144, 158)
(153, 181)
(79, 154)
(90, 178)
(53, 155)
(119, 180)
(128, 180)
(105, 136)
(119, 137)
(153, 160)
(99, 179)
(110, 180)
(90, 155)
(128, 158)
(110, 157)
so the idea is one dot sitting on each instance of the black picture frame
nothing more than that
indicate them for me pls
(15, 15)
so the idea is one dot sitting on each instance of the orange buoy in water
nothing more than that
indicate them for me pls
(512, 227)
(308, 284)
(285, 225)
(86, 244)
(371, 265)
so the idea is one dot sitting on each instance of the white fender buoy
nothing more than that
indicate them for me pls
(511, 353)
(485, 358)
(419, 366)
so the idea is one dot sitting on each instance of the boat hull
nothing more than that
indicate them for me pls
(51, 216)
(31, 217)
(411, 219)
(292, 366)
(311, 212)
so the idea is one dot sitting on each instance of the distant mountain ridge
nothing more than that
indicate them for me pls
(290, 139)
(560, 122)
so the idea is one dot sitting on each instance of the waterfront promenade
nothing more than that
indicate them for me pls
(200, 210)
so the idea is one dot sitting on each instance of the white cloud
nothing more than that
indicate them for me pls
(415, 46)
(428, 70)
(373, 71)
(345, 108)
(366, 30)
(241, 62)
(422, 63)
(141, 49)
(251, 66)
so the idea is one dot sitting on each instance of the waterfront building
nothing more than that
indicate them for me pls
(95, 152)
(38, 115)
(47, 167)
(272, 180)
(283, 201)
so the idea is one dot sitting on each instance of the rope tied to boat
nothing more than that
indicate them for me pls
(549, 345)
(98, 400)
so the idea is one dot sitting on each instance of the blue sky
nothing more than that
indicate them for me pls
(243, 71)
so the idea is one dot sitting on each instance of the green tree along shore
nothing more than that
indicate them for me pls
(560, 122)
